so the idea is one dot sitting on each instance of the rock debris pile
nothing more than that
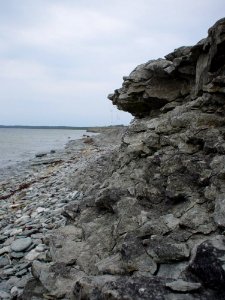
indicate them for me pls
(150, 217)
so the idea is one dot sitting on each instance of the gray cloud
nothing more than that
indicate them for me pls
(60, 59)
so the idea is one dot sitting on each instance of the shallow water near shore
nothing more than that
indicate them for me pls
(18, 144)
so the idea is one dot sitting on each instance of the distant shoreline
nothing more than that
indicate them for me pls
(42, 127)
(89, 128)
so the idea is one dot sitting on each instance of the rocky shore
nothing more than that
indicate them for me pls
(34, 196)
(142, 217)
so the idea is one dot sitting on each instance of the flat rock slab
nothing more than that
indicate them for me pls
(4, 295)
(32, 255)
(183, 286)
(5, 249)
(21, 244)
(17, 254)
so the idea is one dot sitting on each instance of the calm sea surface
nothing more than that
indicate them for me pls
(22, 144)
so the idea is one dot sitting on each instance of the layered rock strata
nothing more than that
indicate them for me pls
(150, 223)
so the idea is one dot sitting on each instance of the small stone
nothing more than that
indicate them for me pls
(198, 220)
(14, 291)
(172, 271)
(9, 241)
(164, 251)
(17, 254)
(4, 261)
(171, 221)
(111, 265)
(23, 281)
(22, 272)
(36, 268)
(15, 231)
(41, 209)
(34, 215)
(43, 256)
(183, 286)
(32, 255)
(141, 291)
(37, 236)
(73, 195)
(23, 220)
(9, 272)
(5, 249)
(40, 248)
(21, 244)
(23, 266)
(37, 242)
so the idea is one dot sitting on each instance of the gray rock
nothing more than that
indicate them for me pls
(21, 283)
(40, 248)
(208, 261)
(9, 272)
(21, 244)
(219, 213)
(34, 290)
(183, 286)
(21, 273)
(32, 255)
(111, 265)
(198, 220)
(163, 250)
(4, 295)
(14, 291)
(4, 250)
(173, 270)
(17, 254)
(4, 261)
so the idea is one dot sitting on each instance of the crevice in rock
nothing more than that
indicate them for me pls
(218, 61)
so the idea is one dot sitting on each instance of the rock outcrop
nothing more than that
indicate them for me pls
(149, 220)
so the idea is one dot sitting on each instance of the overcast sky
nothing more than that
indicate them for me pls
(59, 59)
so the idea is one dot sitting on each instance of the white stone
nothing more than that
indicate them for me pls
(34, 215)
(32, 255)
(40, 210)
(40, 248)
(14, 291)
(16, 231)
(72, 195)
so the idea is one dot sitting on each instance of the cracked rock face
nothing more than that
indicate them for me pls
(151, 217)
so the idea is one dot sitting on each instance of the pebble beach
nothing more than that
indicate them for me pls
(33, 197)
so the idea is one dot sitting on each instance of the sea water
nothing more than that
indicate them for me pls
(18, 144)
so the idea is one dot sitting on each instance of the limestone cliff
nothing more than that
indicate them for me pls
(149, 220)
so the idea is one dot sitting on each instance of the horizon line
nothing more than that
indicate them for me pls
(55, 126)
